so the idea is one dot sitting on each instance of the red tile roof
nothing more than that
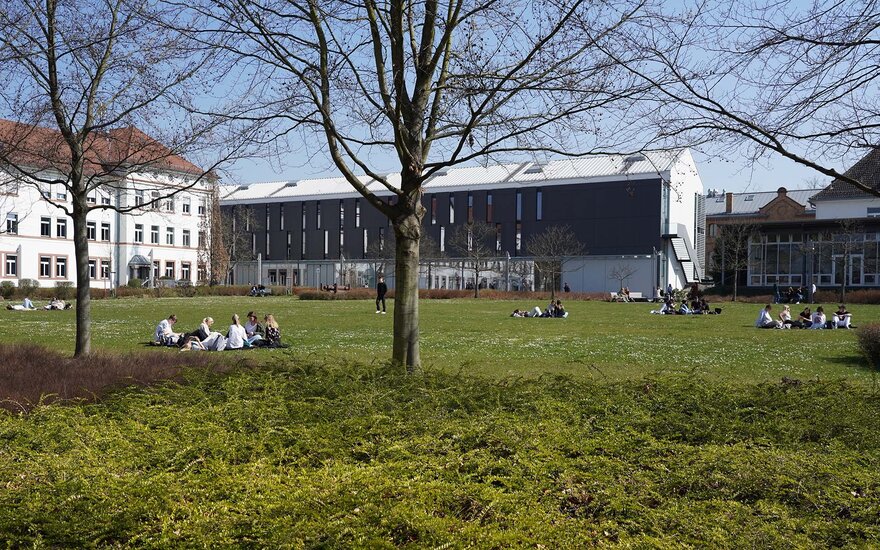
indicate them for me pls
(866, 170)
(39, 147)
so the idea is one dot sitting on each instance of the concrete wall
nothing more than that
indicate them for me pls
(843, 209)
(593, 274)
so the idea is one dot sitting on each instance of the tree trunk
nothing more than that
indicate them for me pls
(476, 282)
(735, 283)
(83, 283)
(407, 231)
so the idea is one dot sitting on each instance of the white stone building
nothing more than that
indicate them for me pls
(157, 244)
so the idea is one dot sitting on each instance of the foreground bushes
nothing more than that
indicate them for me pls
(305, 455)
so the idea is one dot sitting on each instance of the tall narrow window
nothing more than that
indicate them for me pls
(489, 210)
(203, 239)
(105, 199)
(169, 270)
(138, 232)
(497, 237)
(91, 231)
(302, 250)
(442, 239)
(185, 205)
(61, 268)
(169, 204)
(341, 213)
(169, 236)
(61, 229)
(433, 210)
(366, 234)
(12, 223)
(357, 212)
(539, 205)
(93, 268)
(341, 241)
(154, 200)
(267, 218)
(318, 215)
(518, 237)
(105, 269)
(11, 265)
(254, 244)
(289, 245)
(185, 238)
(519, 206)
(267, 245)
(139, 197)
(105, 232)
(381, 238)
(45, 266)
(281, 218)
(185, 271)
(470, 207)
(154, 234)
(156, 267)
(45, 227)
(303, 225)
(326, 243)
(203, 207)
(451, 208)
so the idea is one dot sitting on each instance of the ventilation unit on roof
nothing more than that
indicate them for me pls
(243, 187)
(537, 168)
(290, 184)
(634, 158)
(749, 198)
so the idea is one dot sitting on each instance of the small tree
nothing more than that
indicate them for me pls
(621, 272)
(475, 242)
(731, 253)
(850, 238)
(226, 241)
(551, 248)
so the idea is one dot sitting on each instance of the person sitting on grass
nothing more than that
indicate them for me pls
(211, 340)
(235, 336)
(818, 319)
(55, 304)
(765, 319)
(273, 332)
(683, 309)
(806, 318)
(252, 328)
(785, 317)
(559, 310)
(165, 335)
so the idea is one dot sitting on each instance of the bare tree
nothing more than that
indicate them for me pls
(474, 241)
(226, 241)
(786, 77)
(621, 272)
(429, 255)
(850, 238)
(551, 248)
(81, 81)
(731, 251)
(434, 84)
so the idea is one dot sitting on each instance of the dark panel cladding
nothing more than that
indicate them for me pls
(619, 217)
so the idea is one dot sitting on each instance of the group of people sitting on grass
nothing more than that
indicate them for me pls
(555, 309)
(28, 305)
(790, 296)
(807, 319)
(238, 336)
(697, 306)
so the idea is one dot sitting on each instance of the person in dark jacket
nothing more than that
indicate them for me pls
(381, 290)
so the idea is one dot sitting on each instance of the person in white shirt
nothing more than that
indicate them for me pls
(252, 328)
(236, 336)
(818, 318)
(765, 319)
(211, 340)
(841, 317)
(165, 334)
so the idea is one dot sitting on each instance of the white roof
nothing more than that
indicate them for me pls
(593, 167)
(750, 203)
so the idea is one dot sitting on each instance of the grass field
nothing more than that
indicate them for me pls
(599, 339)
(610, 428)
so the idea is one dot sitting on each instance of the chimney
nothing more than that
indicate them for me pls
(781, 192)
(728, 203)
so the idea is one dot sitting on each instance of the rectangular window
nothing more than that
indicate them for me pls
(451, 209)
(138, 232)
(60, 193)
(318, 216)
(105, 199)
(185, 241)
(156, 268)
(341, 213)
(268, 214)
(442, 239)
(154, 234)
(326, 243)
(154, 200)
(470, 208)
(267, 245)
(381, 238)
(303, 224)
(289, 245)
(341, 241)
(873, 212)
(281, 218)
(11, 265)
(45, 266)
(93, 268)
(489, 211)
(366, 244)
(357, 212)
(518, 207)
(203, 239)
(139, 197)
(539, 205)
(203, 207)
(169, 270)
(105, 269)
(12, 223)
(519, 237)
(61, 228)
(92, 198)
(61, 268)
(105, 232)
(302, 251)
(169, 204)
(433, 210)
(185, 272)
(497, 237)
(254, 244)
(91, 231)
(45, 227)
(185, 205)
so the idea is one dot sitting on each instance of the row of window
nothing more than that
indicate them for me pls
(186, 241)
(55, 267)
(490, 209)
(169, 204)
(171, 270)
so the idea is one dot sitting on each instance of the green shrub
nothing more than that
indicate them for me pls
(869, 343)
(135, 283)
(63, 289)
(185, 289)
(27, 287)
(7, 289)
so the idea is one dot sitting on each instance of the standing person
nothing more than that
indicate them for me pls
(566, 288)
(669, 290)
(813, 293)
(381, 290)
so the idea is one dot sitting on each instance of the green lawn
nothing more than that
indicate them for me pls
(610, 428)
(601, 340)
